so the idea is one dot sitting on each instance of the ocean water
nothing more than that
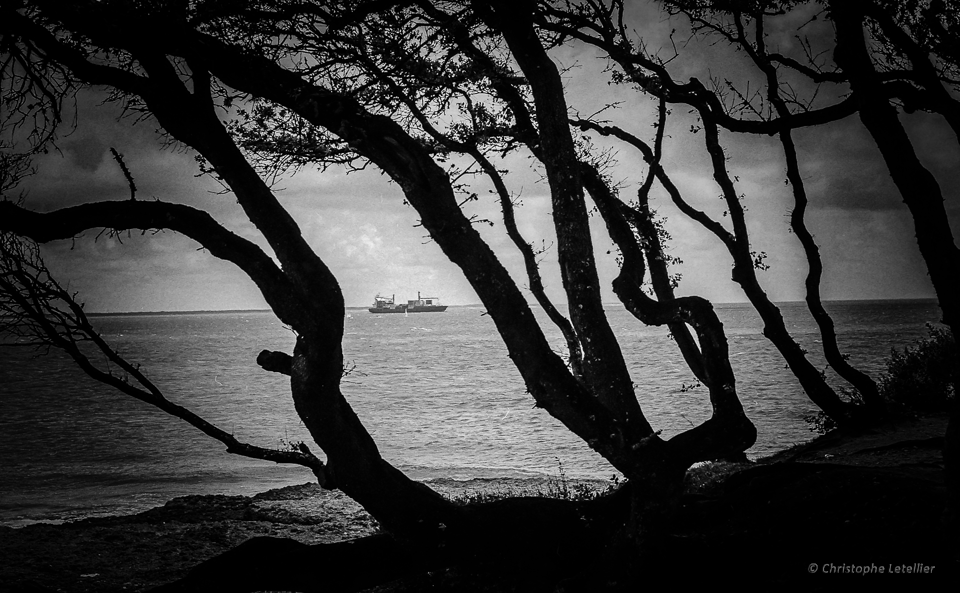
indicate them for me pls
(437, 392)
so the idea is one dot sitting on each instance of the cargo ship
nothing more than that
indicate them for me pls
(419, 305)
(425, 305)
(386, 305)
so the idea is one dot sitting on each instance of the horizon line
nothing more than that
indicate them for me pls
(362, 307)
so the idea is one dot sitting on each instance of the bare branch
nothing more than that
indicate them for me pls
(33, 305)
(275, 362)
(126, 172)
(196, 224)
(648, 155)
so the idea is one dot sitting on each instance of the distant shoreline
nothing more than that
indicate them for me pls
(931, 300)
(158, 313)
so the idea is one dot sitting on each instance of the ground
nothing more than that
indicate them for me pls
(816, 517)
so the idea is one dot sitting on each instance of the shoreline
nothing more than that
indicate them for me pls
(449, 486)
(142, 550)
(150, 548)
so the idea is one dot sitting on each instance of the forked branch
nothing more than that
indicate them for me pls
(862, 382)
(35, 310)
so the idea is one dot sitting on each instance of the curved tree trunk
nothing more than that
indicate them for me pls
(737, 244)
(757, 50)
(599, 405)
(655, 468)
(744, 274)
(921, 193)
(401, 505)
(919, 188)
(860, 381)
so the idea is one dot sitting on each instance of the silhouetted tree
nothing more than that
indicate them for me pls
(885, 59)
(408, 87)
(363, 95)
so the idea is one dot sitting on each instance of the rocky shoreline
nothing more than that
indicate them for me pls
(143, 550)
(137, 552)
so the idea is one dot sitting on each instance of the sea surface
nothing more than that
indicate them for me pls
(437, 391)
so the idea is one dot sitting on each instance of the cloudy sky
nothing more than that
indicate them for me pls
(360, 226)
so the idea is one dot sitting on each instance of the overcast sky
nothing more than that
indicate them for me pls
(360, 226)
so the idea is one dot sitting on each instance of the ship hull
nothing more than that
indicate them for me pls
(420, 305)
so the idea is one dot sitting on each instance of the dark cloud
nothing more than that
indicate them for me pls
(843, 167)
(86, 153)
(859, 189)
(362, 228)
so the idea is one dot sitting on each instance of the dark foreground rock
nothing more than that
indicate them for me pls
(132, 553)
(842, 512)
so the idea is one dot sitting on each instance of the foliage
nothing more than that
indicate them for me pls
(822, 423)
(431, 94)
(559, 488)
(923, 378)
(571, 491)
(703, 478)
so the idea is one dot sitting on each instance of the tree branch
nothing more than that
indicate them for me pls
(31, 300)
(604, 368)
(196, 224)
(859, 380)
(427, 188)
(729, 431)
(275, 362)
(648, 156)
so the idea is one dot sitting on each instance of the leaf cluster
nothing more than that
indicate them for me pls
(923, 377)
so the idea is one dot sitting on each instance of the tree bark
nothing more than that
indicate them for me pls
(859, 380)
(603, 366)
(737, 243)
(919, 188)
(601, 408)
(921, 193)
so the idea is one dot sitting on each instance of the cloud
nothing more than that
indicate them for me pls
(87, 152)
(360, 225)
(870, 253)
(843, 168)
(150, 272)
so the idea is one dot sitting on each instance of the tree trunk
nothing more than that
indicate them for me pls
(921, 193)
(919, 188)
(403, 506)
